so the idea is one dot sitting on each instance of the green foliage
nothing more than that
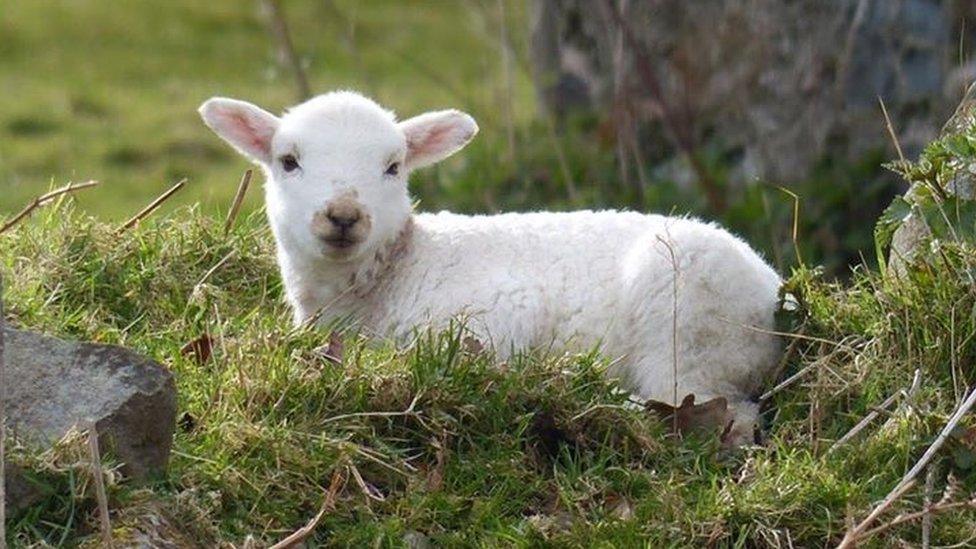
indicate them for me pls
(439, 440)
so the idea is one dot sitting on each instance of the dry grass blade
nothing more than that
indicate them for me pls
(286, 47)
(891, 130)
(96, 463)
(134, 220)
(873, 414)
(680, 131)
(44, 199)
(328, 503)
(854, 534)
(235, 208)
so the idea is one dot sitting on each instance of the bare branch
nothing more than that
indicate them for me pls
(96, 463)
(327, 504)
(44, 199)
(286, 47)
(852, 536)
(235, 207)
(681, 136)
(891, 130)
(874, 413)
(134, 220)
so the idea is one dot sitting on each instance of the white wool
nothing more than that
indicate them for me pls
(617, 281)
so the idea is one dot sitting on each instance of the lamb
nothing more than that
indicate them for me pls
(641, 288)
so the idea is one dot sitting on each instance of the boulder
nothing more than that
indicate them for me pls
(913, 233)
(772, 86)
(54, 385)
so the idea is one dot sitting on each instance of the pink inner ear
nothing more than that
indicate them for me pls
(430, 141)
(250, 133)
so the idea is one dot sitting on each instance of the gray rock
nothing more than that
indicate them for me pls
(774, 86)
(54, 385)
(913, 233)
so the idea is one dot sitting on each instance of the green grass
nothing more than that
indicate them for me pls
(542, 450)
(109, 91)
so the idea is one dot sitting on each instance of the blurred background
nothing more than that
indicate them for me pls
(723, 109)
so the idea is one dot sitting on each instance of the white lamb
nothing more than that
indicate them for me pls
(636, 286)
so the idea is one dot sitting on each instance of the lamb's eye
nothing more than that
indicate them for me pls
(289, 163)
(393, 169)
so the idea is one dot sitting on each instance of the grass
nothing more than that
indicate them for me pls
(437, 440)
(110, 92)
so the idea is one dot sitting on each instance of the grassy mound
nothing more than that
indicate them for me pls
(437, 442)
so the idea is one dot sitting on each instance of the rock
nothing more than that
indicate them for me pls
(772, 86)
(54, 385)
(913, 233)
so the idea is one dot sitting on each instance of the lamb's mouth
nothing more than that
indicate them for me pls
(340, 243)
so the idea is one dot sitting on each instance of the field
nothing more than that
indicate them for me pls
(98, 92)
(438, 444)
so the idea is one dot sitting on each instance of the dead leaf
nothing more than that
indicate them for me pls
(688, 417)
(620, 507)
(334, 350)
(201, 349)
(472, 345)
(435, 476)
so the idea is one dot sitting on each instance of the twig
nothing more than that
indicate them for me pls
(891, 130)
(235, 208)
(682, 137)
(328, 504)
(927, 509)
(507, 76)
(213, 269)
(850, 539)
(674, 323)
(286, 48)
(873, 414)
(901, 519)
(407, 412)
(3, 430)
(909, 479)
(134, 220)
(788, 381)
(96, 463)
(44, 199)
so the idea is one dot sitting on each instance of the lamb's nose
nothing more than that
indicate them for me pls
(343, 220)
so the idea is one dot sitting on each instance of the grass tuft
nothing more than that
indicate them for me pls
(438, 441)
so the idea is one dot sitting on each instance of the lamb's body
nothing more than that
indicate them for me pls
(576, 280)
(635, 286)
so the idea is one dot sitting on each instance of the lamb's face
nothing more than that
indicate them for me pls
(337, 185)
(337, 167)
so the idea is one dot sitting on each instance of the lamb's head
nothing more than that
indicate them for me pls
(337, 167)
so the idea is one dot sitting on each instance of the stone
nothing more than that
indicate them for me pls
(772, 87)
(53, 385)
(913, 234)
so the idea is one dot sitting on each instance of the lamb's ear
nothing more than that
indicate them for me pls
(434, 136)
(247, 127)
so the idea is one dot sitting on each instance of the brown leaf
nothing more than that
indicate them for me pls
(688, 417)
(201, 349)
(472, 345)
(334, 350)
(435, 476)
